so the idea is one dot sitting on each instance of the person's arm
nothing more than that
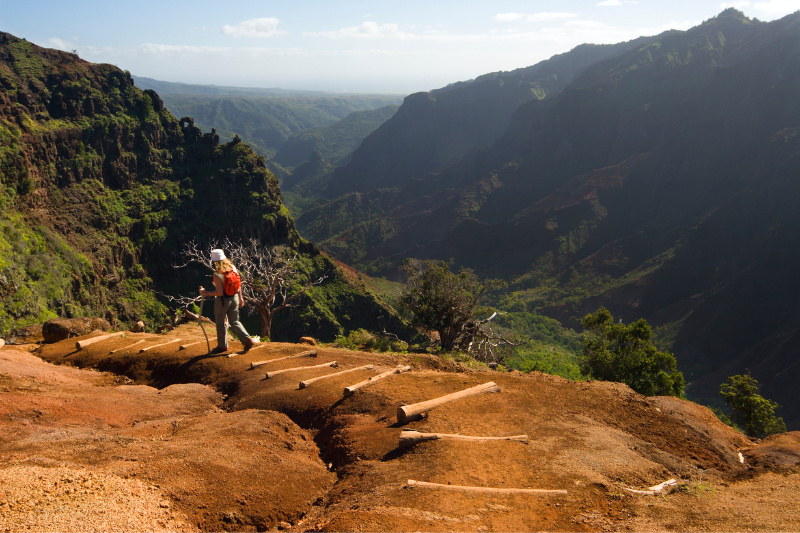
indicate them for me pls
(218, 290)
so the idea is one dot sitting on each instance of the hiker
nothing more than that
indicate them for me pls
(228, 299)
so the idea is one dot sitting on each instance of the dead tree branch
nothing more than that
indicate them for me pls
(272, 279)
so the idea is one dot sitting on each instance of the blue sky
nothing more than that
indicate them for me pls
(348, 45)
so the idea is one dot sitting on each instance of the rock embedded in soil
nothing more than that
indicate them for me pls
(58, 329)
(26, 335)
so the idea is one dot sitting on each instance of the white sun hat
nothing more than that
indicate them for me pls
(217, 255)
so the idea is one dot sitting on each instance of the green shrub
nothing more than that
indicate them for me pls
(625, 353)
(26, 186)
(363, 340)
(754, 412)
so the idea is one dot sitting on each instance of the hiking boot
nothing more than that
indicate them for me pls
(218, 350)
(249, 345)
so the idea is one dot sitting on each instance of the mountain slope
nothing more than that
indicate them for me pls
(661, 183)
(433, 130)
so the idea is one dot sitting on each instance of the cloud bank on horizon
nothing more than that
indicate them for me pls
(318, 46)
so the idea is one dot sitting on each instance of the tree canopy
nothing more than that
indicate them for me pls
(750, 410)
(440, 300)
(625, 353)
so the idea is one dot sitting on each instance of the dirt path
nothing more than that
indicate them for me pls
(225, 448)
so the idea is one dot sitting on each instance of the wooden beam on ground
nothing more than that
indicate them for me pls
(86, 342)
(128, 346)
(158, 345)
(407, 413)
(306, 383)
(308, 353)
(274, 373)
(409, 438)
(413, 483)
(349, 391)
(655, 489)
(259, 346)
(184, 346)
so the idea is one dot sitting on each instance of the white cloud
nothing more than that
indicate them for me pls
(367, 30)
(735, 5)
(585, 24)
(508, 17)
(683, 25)
(778, 8)
(60, 44)
(606, 3)
(546, 17)
(534, 17)
(261, 27)
(187, 50)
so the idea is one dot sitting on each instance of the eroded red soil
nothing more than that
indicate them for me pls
(228, 449)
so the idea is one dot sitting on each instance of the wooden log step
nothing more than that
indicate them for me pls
(274, 373)
(128, 346)
(259, 345)
(306, 383)
(409, 438)
(654, 489)
(408, 413)
(413, 483)
(349, 391)
(184, 346)
(80, 345)
(308, 353)
(158, 345)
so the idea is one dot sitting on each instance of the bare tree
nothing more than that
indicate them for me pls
(271, 275)
(486, 344)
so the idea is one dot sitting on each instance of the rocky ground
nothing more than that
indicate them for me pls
(169, 439)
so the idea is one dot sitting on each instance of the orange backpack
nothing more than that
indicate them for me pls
(232, 282)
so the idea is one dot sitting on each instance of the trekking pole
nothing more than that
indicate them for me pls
(200, 321)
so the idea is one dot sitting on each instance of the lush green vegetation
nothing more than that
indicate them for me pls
(366, 341)
(552, 349)
(625, 353)
(753, 412)
(37, 272)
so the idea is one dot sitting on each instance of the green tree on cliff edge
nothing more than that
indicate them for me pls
(440, 300)
(752, 411)
(625, 353)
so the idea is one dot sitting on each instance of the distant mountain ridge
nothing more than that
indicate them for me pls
(264, 118)
(169, 88)
(336, 141)
(662, 182)
(433, 130)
